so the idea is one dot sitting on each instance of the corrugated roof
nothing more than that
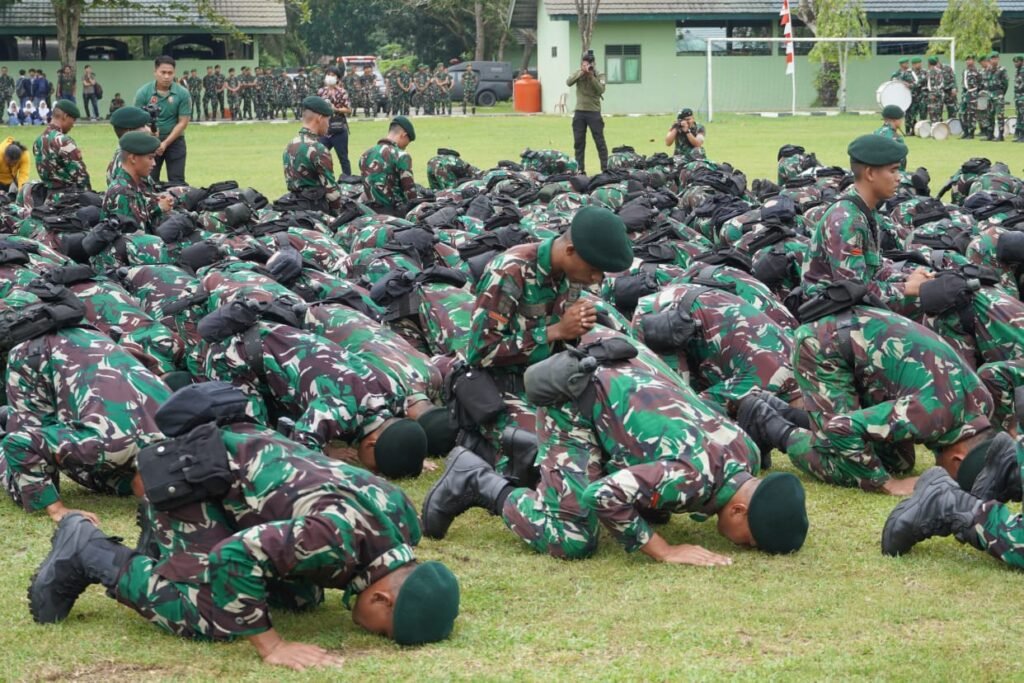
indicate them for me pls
(691, 7)
(244, 14)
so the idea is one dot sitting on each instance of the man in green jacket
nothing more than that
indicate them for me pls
(589, 90)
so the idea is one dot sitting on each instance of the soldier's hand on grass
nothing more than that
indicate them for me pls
(659, 549)
(916, 279)
(899, 487)
(57, 511)
(298, 656)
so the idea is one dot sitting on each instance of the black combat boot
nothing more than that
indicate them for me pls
(1018, 135)
(999, 479)
(81, 556)
(765, 426)
(801, 418)
(939, 507)
(5, 413)
(468, 481)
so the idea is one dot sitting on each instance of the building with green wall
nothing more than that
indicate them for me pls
(653, 52)
(121, 43)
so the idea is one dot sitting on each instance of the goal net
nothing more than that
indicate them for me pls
(746, 74)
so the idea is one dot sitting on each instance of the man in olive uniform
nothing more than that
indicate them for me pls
(919, 89)
(949, 90)
(301, 92)
(998, 83)
(444, 90)
(368, 92)
(247, 82)
(210, 95)
(194, 85)
(1018, 97)
(470, 81)
(232, 87)
(404, 80)
(422, 81)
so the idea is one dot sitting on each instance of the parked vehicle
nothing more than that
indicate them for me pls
(495, 82)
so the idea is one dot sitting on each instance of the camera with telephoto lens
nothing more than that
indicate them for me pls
(154, 111)
(589, 59)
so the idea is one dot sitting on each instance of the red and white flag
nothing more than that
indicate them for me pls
(787, 32)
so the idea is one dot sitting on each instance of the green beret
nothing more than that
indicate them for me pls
(440, 65)
(400, 449)
(778, 514)
(933, 60)
(993, 55)
(972, 464)
(600, 239)
(426, 606)
(892, 111)
(439, 430)
(1018, 58)
(139, 142)
(916, 60)
(69, 108)
(129, 118)
(318, 105)
(969, 57)
(905, 60)
(875, 150)
(406, 125)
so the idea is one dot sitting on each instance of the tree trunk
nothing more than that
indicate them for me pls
(501, 46)
(478, 16)
(529, 43)
(844, 59)
(69, 18)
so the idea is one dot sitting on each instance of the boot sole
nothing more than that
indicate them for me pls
(37, 600)
(427, 531)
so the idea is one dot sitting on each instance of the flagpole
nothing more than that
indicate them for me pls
(787, 32)
(793, 79)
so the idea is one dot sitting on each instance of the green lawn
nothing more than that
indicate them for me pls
(837, 609)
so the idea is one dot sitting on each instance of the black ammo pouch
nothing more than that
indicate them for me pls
(182, 304)
(610, 350)
(953, 238)
(472, 396)
(101, 237)
(198, 404)
(396, 292)
(304, 199)
(445, 152)
(237, 215)
(725, 256)
(200, 255)
(286, 264)
(1010, 248)
(837, 297)
(70, 275)
(975, 166)
(189, 469)
(673, 328)
(176, 227)
(231, 319)
(54, 313)
(773, 266)
(928, 211)
(789, 150)
(12, 254)
(627, 290)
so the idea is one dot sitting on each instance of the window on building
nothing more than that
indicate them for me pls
(622, 63)
(911, 29)
(692, 37)
(799, 31)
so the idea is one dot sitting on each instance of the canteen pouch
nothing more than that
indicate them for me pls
(837, 297)
(473, 396)
(1010, 248)
(190, 469)
(610, 350)
(946, 292)
(672, 329)
(231, 319)
(37, 320)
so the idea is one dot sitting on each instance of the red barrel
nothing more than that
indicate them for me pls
(526, 94)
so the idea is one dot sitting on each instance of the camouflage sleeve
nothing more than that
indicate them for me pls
(327, 419)
(24, 447)
(494, 340)
(619, 498)
(851, 255)
(403, 167)
(242, 566)
(226, 362)
(116, 203)
(324, 165)
(78, 173)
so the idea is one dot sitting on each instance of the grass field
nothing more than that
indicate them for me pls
(837, 609)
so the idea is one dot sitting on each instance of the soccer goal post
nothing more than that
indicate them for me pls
(781, 61)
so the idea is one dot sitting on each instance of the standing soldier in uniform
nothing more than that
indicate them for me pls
(247, 81)
(194, 85)
(949, 90)
(219, 88)
(405, 90)
(233, 85)
(918, 89)
(368, 91)
(1018, 98)
(973, 83)
(422, 81)
(351, 84)
(903, 74)
(998, 84)
(302, 91)
(444, 83)
(934, 89)
(6, 86)
(210, 95)
(470, 80)
(260, 93)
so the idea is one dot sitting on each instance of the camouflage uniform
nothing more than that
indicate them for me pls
(736, 351)
(80, 405)
(845, 247)
(308, 164)
(194, 85)
(330, 394)
(387, 175)
(421, 100)
(444, 91)
(6, 88)
(907, 77)
(219, 79)
(447, 171)
(687, 151)
(517, 298)
(888, 131)
(292, 523)
(129, 199)
(210, 96)
(367, 95)
(918, 95)
(648, 443)
(248, 82)
(232, 84)
(974, 81)
(1018, 100)
(904, 386)
(302, 91)
(284, 94)
(934, 84)
(404, 81)
(949, 90)
(59, 162)
(997, 84)
(470, 81)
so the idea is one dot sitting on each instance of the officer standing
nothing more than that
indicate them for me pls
(973, 82)
(949, 90)
(387, 170)
(589, 91)
(904, 75)
(998, 84)
(175, 109)
(470, 81)
(232, 85)
(1018, 97)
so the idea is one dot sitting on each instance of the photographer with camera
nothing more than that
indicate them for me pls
(170, 107)
(589, 91)
(688, 137)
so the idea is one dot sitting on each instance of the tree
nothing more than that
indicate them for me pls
(835, 19)
(586, 17)
(974, 24)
